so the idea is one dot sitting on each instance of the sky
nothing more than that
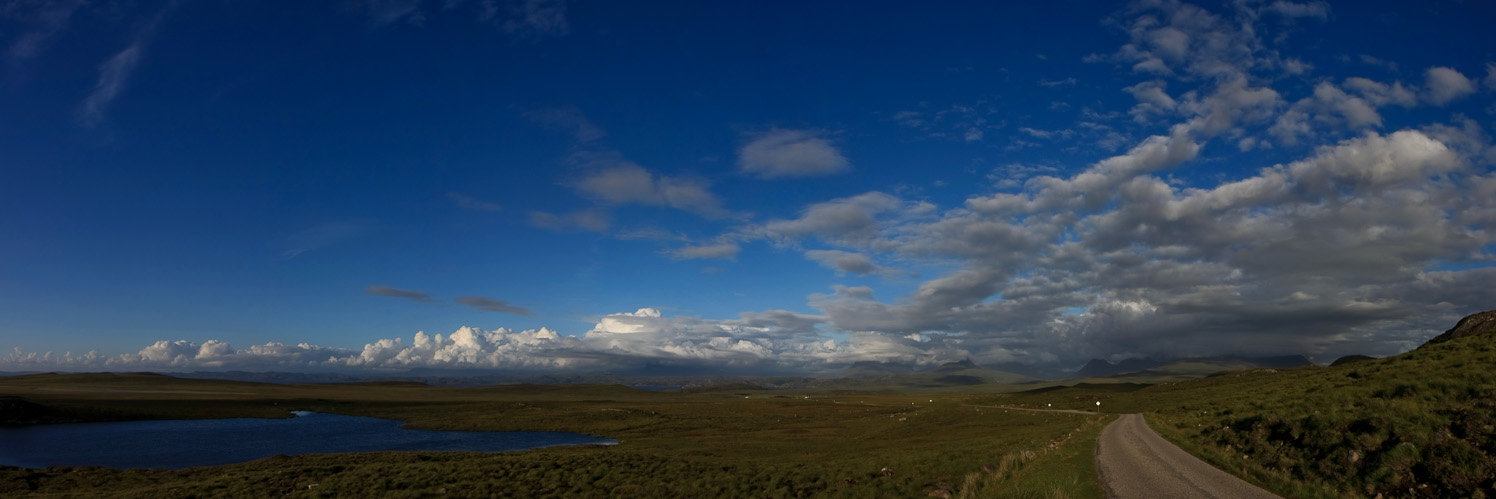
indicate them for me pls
(769, 187)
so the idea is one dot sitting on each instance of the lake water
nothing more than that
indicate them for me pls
(180, 444)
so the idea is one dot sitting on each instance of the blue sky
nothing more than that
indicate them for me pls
(787, 187)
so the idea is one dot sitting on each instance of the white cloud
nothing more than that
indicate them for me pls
(1152, 100)
(723, 251)
(845, 262)
(1232, 103)
(846, 221)
(1318, 10)
(1443, 85)
(622, 182)
(1381, 94)
(112, 77)
(1331, 109)
(791, 153)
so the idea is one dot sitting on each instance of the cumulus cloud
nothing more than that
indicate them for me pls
(183, 354)
(1152, 100)
(791, 153)
(774, 339)
(627, 183)
(1292, 260)
(845, 262)
(1381, 94)
(848, 221)
(1443, 85)
(491, 305)
(379, 290)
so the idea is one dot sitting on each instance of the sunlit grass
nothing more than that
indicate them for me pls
(733, 443)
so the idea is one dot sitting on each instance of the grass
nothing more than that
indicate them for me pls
(734, 442)
(1414, 425)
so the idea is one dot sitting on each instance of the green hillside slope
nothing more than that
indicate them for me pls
(1418, 424)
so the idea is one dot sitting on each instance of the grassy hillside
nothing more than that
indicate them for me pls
(1420, 424)
(1413, 425)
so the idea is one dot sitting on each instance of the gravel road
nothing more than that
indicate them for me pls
(1135, 462)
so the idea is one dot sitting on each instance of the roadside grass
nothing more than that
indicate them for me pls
(1066, 468)
(1418, 424)
(736, 442)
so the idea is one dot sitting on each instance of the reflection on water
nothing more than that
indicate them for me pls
(205, 442)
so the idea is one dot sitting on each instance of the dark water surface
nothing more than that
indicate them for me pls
(180, 444)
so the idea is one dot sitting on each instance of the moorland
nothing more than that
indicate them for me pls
(1412, 425)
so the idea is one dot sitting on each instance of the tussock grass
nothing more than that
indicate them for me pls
(732, 442)
(1414, 425)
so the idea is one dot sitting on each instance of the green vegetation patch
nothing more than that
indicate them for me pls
(735, 442)
(1415, 425)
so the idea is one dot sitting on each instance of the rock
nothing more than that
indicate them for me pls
(1476, 324)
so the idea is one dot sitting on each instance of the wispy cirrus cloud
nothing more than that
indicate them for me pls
(43, 20)
(321, 236)
(473, 203)
(115, 72)
(521, 20)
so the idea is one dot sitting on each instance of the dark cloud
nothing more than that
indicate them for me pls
(492, 305)
(378, 290)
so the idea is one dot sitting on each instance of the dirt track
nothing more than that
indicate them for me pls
(1135, 462)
